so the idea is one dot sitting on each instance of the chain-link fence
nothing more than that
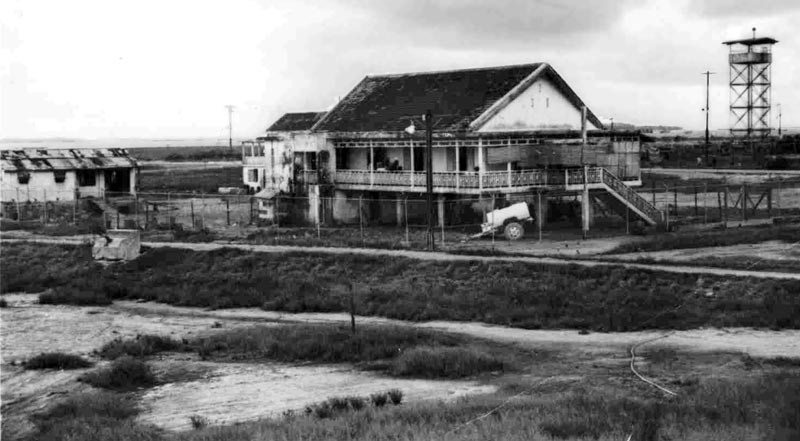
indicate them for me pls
(387, 220)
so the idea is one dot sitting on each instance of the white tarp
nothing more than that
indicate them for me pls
(117, 245)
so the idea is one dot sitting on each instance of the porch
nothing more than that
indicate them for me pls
(508, 181)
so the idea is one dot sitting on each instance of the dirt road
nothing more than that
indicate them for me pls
(436, 256)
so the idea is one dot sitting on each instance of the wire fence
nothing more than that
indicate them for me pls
(396, 221)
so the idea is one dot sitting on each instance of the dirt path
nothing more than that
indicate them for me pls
(770, 250)
(435, 256)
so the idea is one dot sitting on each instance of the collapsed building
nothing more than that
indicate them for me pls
(508, 133)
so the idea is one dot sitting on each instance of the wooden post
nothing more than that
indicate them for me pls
(769, 201)
(228, 211)
(743, 197)
(44, 212)
(136, 209)
(653, 187)
(353, 308)
(361, 222)
(725, 206)
(778, 199)
(405, 217)
(146, 215)
(695, 200)
(705, 202)
(191, 208)
(539, 220)
(492, 223)
(675, 199)
(118, 219)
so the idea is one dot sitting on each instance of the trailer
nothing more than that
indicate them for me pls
(509, 220)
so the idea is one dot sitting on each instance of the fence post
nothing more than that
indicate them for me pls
(405, 217)
(539, 220)
(441, 221)
(705, 202)
(744, 202)
(719, 206)
(675, 199)
(725, 206)
(146, 215)
(361, 221)
(75, 213)
(320, 208)
(778, 201)
(44, 212)
(118, 219)
(191, 211)
(228, 211)
(169, 208)
(695, 201)
(136, 209)
(492, 224)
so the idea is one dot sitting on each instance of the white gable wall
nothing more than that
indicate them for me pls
(540, 107)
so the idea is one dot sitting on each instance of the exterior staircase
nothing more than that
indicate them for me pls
(630, 198)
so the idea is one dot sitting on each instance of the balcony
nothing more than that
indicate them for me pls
(469, 182)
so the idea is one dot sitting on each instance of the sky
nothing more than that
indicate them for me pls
(167, 68)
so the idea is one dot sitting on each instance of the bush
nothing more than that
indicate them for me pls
(396, 395)
(56, 360)
(93, 404)
(125, 373)
(321, 343)
(141, 346)
(3, 303)
(444, 362)
(74, 296)
(198, 421)
(379, 399)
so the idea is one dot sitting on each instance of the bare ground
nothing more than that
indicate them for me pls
(770, 250)
(226, 393)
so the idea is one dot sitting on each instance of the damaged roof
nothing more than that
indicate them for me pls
(292, 122)
(457, 98)
(65, 159)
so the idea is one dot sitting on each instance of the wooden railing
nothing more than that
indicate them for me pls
(630, 195)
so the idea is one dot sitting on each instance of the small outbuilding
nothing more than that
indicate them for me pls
(43, 175)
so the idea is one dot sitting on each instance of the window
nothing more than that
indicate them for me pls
(252, 175)
(23, 177)
(547, 102)
(86, 178)
(532, 103)
(60, 176)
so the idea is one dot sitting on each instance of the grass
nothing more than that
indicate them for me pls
(157, 180)
(141, 346)
(124, 374)
(439, 362)
(94, 416)
(177, 154)
(57, 360)
(715, 238)
(714, 409)
(506, 293)
(400, 351)
(74, 296)
(733, 262)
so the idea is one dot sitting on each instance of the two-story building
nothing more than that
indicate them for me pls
(508, 132)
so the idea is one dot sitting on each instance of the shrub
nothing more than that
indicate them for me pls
(444, 362)
(56, 360)
(198, 421)
(125, 373)
(141, 346)
(379, 399)
(92, 404)
(396, 395)
(74, 296)
(3, 303)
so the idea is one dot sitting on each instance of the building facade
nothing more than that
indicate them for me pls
(49, 175)
(509, 132)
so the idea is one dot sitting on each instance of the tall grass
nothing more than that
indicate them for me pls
(57, 360)
(505, 293)
(443, 362)
(124, 374)
(141, 346)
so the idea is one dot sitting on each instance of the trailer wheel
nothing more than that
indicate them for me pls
(514, 231)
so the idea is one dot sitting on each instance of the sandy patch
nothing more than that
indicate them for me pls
(239, 392)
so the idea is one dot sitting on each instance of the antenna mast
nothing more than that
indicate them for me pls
(230, 127)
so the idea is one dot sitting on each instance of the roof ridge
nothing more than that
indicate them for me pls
(473, 69)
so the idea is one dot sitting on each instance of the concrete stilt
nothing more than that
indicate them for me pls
(399, 210)
(440, 206)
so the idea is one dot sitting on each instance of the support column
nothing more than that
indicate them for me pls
(398, 204)
(440, 206)
(481, 165)
(586, 212)
(412, 163)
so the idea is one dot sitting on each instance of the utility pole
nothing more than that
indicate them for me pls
(780, 115)
(230, 126)
(429, 176)
(708, 83)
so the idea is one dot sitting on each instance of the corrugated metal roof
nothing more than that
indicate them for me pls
(65, 159)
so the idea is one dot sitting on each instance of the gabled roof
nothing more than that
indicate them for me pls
(457, 98)
(65, 159)
(291, 122)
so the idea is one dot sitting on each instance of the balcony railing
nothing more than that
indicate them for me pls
(469, 180)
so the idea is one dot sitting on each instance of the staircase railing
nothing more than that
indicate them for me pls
(631, 196)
